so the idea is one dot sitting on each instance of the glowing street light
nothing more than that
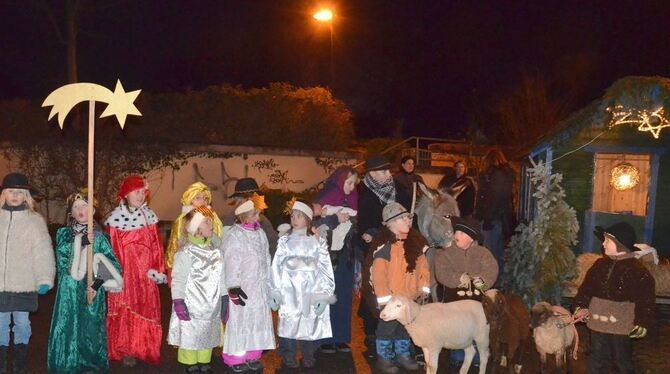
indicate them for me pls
(324, 15)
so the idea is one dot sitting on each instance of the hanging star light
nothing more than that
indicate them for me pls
(651, 121)
(624, 176)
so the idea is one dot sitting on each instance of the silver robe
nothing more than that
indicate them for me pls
(302, 275)
(246, 259)
(196, 278)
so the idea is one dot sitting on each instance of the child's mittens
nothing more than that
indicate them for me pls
(638, 332)
(237, 296)
(43, 289)
(156, 277)
(479, 284)
(180, 309)
(320, 307)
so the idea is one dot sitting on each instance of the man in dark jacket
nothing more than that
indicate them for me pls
(377, 190)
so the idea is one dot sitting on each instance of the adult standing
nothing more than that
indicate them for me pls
(462, 187)
(377, 190)
(406, 176)
(244, 189)
(494, 206)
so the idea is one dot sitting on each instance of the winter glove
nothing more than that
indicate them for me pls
(275, 303)
(479, 284)
(43, 289)
(84, 241)
(320, 307)
(156, 277)
(225, 300)
(237, 296)
(97, 283)
(638, 332)
(180, 309)
(465, 280)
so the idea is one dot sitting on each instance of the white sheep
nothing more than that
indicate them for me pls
(554, 332)
(435, 326)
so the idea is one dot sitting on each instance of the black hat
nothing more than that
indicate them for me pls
(245, 186)
(623, 232)
(19, 181)
(376, 162)
(468, 226)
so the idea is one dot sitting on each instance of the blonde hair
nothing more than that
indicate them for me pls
(246, 215)
(29, 201)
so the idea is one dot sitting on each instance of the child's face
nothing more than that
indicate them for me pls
(349, 184)
(80, 211)
(401, 226)
(199, 200)
(136, 198)
(254, 217)
(462, 240)
(206, 228)
(14, 196)
(298, 220)
(610, 247)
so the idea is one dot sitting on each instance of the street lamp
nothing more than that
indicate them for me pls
(325, 15)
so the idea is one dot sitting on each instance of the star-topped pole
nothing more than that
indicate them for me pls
(120, 104)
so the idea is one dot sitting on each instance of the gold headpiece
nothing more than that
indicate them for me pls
(289, 206)
(81, 195)
(259, 201)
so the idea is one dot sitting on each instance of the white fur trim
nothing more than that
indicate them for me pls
(247, 206)
(156, 276)
(75, 268)
(111, 285)
(195, 223)
(123, 219)
(302, 207)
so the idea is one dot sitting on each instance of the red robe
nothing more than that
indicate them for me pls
(134, 315)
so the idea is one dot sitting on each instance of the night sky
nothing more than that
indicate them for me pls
(434, 66)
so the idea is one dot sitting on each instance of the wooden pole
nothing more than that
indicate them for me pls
(91, 238)
(413, 198)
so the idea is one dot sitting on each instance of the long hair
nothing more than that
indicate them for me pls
(494, 158)
(29, 201)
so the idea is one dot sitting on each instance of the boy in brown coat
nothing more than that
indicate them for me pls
(399, 267)
(618, 294)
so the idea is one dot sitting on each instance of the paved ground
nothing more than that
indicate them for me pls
(651, 353)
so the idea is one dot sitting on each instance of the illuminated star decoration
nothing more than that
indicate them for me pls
(120, 103)
(645, 120)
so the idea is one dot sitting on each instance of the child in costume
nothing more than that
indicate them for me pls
(78, 335)
(399, 267)
(134, 315)
(196, 293)
(196, 195)
(302, 287)
(246, 260)
(618, 297)
(338, 197)
(27, 266)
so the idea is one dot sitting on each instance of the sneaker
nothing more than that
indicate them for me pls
(254, 365)
(342, 347)
(129, 361)
(206, 368)
(192, 369)
(407, 362)
(386, 366)
(328, 348)
(240, 368)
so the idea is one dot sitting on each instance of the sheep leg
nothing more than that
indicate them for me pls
(469, 355)
(432, 357)
(484, 354)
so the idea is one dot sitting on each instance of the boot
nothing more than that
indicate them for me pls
(3, 359)
(404, 356)
(20, 358)
(385, 356)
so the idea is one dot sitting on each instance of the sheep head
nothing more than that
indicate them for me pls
(540, 313)
(398, 308)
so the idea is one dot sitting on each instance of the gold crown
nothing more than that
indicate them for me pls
(259, 201)
(289, 206)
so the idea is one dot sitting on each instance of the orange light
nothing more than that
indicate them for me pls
(323, 15)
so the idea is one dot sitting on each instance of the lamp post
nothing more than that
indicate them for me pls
(325, 15)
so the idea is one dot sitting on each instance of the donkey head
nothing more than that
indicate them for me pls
(433, 210)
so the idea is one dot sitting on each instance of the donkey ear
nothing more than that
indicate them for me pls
(427, 191)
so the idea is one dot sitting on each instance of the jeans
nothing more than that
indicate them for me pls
(289, 347)
(21, 328)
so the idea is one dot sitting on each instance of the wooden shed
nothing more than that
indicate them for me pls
(613, 158)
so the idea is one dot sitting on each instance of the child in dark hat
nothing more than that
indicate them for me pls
(26, 263)
(618, 297)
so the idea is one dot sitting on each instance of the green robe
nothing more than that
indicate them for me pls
(78, 335)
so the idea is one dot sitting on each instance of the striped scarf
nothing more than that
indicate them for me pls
(384, 191)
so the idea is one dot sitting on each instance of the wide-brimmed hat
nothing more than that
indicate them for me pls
(376, 162)
(244, 187)
(18, 181)
(467, 225)
(393, 211)
(621, 232)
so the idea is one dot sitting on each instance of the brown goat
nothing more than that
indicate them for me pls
(510, 328)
